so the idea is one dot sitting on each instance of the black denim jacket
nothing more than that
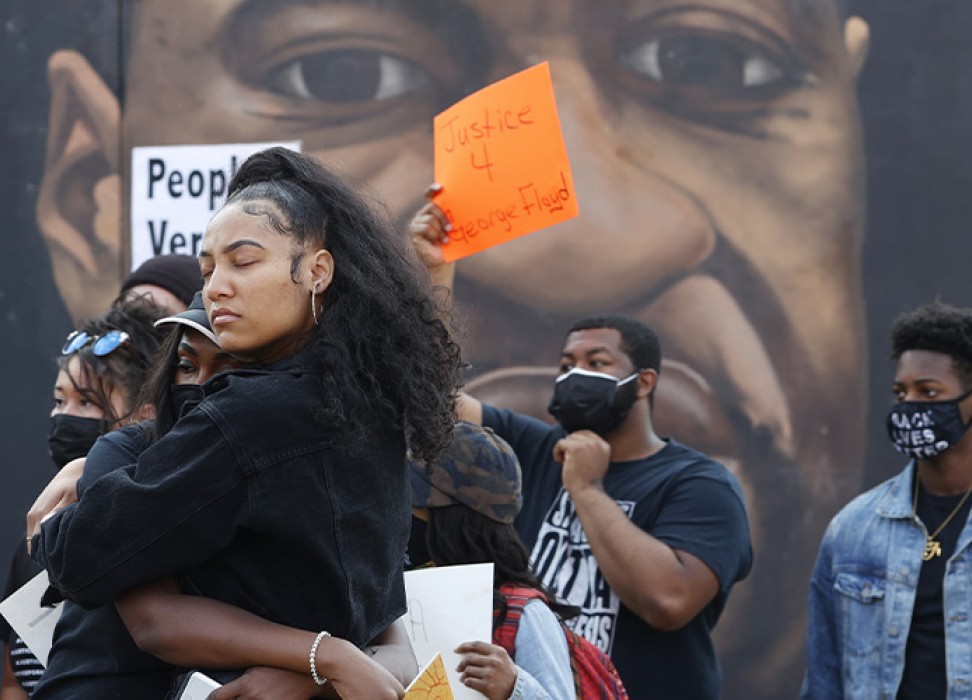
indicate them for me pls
(248, 498)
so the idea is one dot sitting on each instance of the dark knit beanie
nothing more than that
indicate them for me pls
(178, 274)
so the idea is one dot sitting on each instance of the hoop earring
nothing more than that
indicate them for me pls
(317, 320)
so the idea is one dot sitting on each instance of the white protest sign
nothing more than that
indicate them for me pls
(449, 605)
(177, 189)
(33, 623)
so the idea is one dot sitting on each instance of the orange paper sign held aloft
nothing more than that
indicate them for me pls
(502, 164)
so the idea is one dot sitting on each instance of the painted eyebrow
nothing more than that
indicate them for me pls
(251, 12)
(456, 23)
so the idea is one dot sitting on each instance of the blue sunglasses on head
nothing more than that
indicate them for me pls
(102, 344)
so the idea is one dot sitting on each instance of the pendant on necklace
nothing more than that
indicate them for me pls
(932, 549)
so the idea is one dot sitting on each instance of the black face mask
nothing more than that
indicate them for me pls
(595, 401)
(925, 429)
(417, 555)
(71, 437)
(184, 398)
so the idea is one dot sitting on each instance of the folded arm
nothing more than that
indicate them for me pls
(196, 632)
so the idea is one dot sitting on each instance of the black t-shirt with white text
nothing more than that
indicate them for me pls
(679, 496)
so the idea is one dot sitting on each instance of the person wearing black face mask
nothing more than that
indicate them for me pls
(113, 666)
(595, 401)
(71, 437)
(891, 573)
(101, 370)
(645, 535)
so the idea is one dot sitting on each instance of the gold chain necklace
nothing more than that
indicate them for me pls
(933, 548)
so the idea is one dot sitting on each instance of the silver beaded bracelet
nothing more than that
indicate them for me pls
(313, 657)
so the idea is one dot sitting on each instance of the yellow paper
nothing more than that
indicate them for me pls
(431, 684)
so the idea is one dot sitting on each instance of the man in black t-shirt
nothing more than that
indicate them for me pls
(645, 535)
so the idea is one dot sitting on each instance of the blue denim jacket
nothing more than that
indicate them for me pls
(862, 593)
(542, 656)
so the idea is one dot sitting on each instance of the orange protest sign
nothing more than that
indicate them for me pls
(502, 164)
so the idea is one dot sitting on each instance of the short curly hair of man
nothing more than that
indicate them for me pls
(936, 327)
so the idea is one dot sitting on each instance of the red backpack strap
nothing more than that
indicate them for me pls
(595, 676)
(517, 597)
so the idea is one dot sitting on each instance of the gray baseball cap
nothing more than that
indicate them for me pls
(195, 317)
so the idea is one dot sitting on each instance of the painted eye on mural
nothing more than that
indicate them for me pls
(715, 68)
(704, 61)
(345, 76)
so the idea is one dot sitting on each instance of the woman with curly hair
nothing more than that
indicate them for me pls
(283, 492)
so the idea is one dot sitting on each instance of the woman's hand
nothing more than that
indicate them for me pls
(359, 678)
(487, 668)
(262, 683)
(61, 492)
(355, 676)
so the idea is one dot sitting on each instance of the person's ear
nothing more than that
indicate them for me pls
(857, 41)
(321, 270)
(79, 201)
(647, 380)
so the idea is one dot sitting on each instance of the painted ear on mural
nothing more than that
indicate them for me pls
(79, 202)
(857, 41)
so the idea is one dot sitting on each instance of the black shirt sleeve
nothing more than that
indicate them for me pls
(177, 506)
(532, 440)
(705, 516)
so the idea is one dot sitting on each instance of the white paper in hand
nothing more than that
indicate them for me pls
(33, 623)
(198, 686)
(449, 605)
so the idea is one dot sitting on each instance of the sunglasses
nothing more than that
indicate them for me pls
(101, 344)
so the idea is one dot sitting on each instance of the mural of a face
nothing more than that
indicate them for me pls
(716, 154)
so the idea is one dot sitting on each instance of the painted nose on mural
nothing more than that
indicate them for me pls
(636, 229)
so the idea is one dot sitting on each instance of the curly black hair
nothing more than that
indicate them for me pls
(124, 369)
(937, 327)
(460, 535)
(381, 341)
